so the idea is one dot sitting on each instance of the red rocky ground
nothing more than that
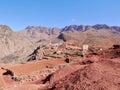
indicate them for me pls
(101, 75)
(98, 71)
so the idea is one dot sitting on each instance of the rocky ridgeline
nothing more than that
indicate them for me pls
(82, 28)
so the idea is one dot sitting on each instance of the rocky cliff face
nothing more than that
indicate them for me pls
(13, 47)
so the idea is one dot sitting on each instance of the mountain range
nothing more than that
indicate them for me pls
(99, 35)
(17, 46)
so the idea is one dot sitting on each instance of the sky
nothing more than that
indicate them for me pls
(18, 14)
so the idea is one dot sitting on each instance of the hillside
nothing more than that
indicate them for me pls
(17, 46)
(13, 46)
(98, 35)
(38, 34)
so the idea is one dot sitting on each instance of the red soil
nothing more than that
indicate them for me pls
(93, 73)
(101, 75)
(23, 69)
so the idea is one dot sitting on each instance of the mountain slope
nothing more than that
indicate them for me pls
(17, 46)
(13, 46)
(37, 34)
(97, 35)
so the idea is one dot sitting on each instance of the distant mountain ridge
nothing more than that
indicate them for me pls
(38, 33)
(41, 29)
(87, 27)
(83, 34)
(99, 35)
(42, 34)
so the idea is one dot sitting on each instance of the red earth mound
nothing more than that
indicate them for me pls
(101, 75)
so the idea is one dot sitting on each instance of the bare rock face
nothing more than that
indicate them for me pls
(13, 46)
(101, 75)
(38, 34)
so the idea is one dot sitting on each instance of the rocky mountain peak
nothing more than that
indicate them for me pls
(38, 33)
(41, 29)
(73, 28)
(36, 28)
(81, 28)
(101, 26)
(116, 28)
(5, 29)
(29, 27)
